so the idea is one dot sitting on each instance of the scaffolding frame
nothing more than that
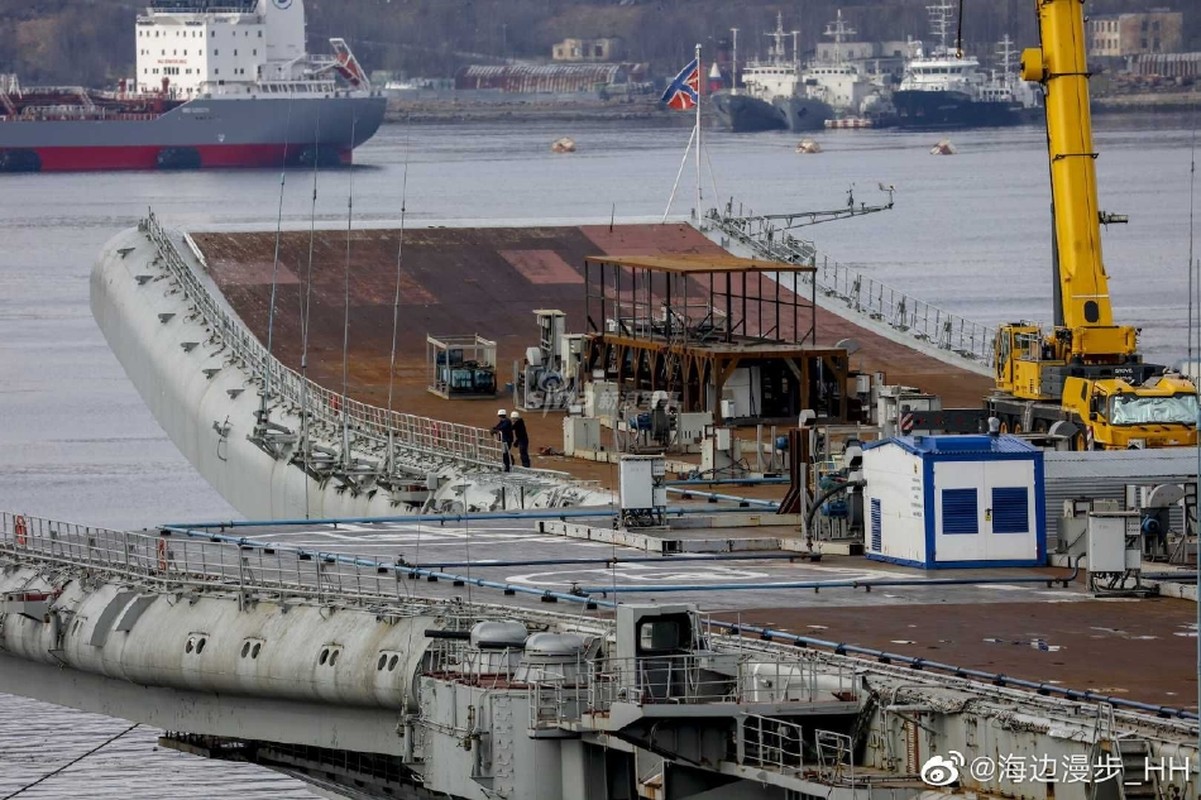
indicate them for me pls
(687, 322)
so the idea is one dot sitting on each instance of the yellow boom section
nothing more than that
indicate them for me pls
(1061, 66)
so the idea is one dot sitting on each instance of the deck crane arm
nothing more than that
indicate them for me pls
(1085, 375)
(1082, 304)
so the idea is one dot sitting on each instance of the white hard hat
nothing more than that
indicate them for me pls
(514, 415)
(500, 412)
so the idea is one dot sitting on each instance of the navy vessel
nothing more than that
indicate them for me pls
(216, 85)
(774, 97)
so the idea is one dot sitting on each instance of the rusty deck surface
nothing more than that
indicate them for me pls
(1137, 649)
(485, 281)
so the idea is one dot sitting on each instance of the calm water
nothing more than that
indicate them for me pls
(969, 232)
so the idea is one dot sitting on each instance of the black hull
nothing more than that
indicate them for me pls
(938, 110)
(742, 113)
(804, 114)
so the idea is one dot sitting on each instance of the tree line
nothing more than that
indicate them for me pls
(92, 42)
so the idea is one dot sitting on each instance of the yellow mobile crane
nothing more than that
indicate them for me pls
(1084, 377)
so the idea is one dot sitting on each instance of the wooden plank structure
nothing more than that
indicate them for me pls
(684, 323)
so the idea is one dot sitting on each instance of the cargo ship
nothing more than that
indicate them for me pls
(226, 84)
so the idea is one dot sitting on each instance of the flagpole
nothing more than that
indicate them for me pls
(700, 92)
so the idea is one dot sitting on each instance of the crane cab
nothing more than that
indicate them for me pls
(1160, 412)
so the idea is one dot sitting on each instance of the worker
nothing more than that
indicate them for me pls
(660, 422)
(521, 437)
(503, 430)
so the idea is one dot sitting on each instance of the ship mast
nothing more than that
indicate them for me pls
(940, 22)
(776, 52)
(838, 30)
(1006, 52)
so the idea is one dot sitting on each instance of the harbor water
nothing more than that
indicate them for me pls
(969, 232)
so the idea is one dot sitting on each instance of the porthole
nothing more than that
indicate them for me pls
(333, 657)
(187, 648)
(324, 656)
(200, 645)
(383, 661)
(392, 663)
(245, 649)
(254, 651)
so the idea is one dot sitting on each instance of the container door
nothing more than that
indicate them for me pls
(959, 506)
(1009, 513)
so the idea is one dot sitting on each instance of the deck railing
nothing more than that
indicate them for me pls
(864, 295)
(173, 562)
(717, 678)
(462, 443)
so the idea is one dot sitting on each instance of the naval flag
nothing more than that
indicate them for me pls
(684, 90)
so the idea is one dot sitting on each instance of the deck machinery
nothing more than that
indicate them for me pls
(1084, 377)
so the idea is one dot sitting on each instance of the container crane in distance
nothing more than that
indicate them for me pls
(1085, 376)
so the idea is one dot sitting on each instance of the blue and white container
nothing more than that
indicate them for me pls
(940, 502)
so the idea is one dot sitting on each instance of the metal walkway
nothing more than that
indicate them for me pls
(767, 235)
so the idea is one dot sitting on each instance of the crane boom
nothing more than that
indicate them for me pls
(1085, 376)
(1061, 67)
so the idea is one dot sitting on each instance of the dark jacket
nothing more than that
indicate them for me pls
(519, 433)
(505, 429)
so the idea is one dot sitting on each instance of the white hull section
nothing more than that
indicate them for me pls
(205, 394)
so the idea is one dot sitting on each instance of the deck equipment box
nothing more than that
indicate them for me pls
(940, 502)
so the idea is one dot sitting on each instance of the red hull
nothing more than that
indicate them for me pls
(76, 159)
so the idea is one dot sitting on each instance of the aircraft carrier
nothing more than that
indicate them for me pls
(675, 625)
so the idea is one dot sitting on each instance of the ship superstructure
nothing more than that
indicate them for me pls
(224, 84)
(942, 88)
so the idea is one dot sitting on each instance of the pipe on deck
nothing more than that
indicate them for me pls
(713, 497)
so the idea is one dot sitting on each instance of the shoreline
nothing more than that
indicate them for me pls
(530, 108)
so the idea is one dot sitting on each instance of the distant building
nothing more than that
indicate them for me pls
(1135, 34)
(1166, 65)
(608, 49)
(548, 78)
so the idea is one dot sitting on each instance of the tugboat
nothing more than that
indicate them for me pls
(942, 89)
